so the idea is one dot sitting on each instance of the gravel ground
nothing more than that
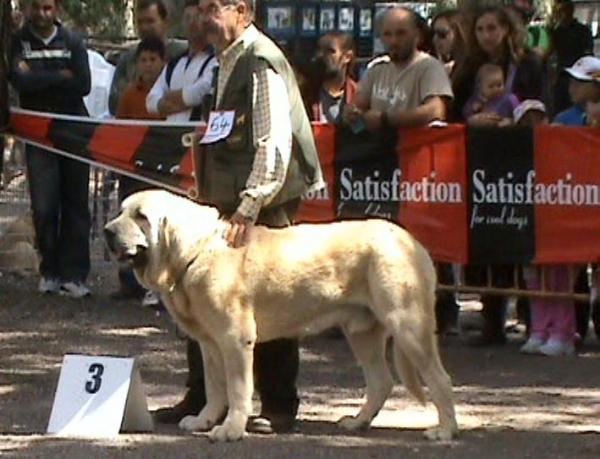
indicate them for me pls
(509, 405)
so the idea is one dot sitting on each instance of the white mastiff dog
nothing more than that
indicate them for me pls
(370, 277)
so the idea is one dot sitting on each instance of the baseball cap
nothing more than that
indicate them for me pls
(526, 106)
(586, 68)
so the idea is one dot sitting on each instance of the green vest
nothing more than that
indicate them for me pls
(228, 163)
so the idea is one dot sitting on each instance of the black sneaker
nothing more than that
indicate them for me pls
(270, 424)
(191, 405)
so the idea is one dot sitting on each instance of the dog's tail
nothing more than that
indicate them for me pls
(408, 374)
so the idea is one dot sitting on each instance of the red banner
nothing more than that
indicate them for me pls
(468, 194)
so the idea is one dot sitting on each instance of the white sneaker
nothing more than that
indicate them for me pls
(74, 289)
(555, 348)
(150, 299)
(532, 346)
(48, 285)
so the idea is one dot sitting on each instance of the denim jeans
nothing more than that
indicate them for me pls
(59, 189)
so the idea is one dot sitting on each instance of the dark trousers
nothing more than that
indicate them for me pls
(446, 307)
(59, 188)
(275, 362)
(127, 187)
(494, 305)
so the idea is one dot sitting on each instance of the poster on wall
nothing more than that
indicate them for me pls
(346, 19)
(280, 19)
(327, 19)
(309, 21)
(365, 22)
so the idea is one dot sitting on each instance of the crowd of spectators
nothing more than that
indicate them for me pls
(493, 67)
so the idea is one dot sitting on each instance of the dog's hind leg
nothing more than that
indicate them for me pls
(216, 391)
(421, 349)
(369, 349)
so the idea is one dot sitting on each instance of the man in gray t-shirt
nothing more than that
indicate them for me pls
(404, 88)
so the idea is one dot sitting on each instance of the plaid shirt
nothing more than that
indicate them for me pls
(272, 126)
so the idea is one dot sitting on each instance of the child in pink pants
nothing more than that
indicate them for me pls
(552, 320)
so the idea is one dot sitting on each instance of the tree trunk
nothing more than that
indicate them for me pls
(5, 31)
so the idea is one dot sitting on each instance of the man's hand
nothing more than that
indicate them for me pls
(351, 113)
(372, 119)
(24, 67)
(238, 232)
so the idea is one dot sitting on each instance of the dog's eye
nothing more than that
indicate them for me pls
(139, 215)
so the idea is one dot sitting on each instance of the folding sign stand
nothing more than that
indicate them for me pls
(99, 397)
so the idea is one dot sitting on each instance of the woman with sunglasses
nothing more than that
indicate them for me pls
(449, 37)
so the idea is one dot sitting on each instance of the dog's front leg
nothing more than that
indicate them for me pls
(216, 390)
(238, 357)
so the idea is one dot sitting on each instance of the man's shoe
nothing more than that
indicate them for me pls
(270, 424)
(74, 289)
(48, 285)
(190, 406)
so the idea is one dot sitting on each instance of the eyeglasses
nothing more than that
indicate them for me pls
(441, 33)
(215, 9)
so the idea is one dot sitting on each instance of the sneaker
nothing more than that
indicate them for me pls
(74, 289)
(532, 346)
(150, 299)
(48, 285)
(555, 348)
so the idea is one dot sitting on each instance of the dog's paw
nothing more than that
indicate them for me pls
(439, 434)
(227, 432)
(196, 423)
(353, 423)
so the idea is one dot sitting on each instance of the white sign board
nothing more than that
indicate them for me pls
(98, 397)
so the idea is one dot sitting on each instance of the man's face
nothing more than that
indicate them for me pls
(334, 58)
(149, 65)
(583, 92)
(400, 35)
(149, 23)
(192, 22)
(42, 14)
(220, 21)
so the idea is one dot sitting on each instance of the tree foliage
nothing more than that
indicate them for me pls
(98, 18)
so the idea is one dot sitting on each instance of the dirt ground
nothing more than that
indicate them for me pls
(509, 405)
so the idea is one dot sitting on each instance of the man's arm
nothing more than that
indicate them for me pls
(175, 101)
(24, 79)
(80, 81)
(433, 108)
(157, 92)
(272, 131)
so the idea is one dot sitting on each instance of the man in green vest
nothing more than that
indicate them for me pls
(256, 175)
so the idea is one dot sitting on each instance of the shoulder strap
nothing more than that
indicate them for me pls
(171, 66)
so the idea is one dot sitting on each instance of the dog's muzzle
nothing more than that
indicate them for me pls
(135, 255)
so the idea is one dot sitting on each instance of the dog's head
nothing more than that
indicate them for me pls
(154, 231)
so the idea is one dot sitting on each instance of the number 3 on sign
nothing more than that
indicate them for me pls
(93, 394)
(93, 386)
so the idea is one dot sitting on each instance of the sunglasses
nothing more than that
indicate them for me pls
(441, 33)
